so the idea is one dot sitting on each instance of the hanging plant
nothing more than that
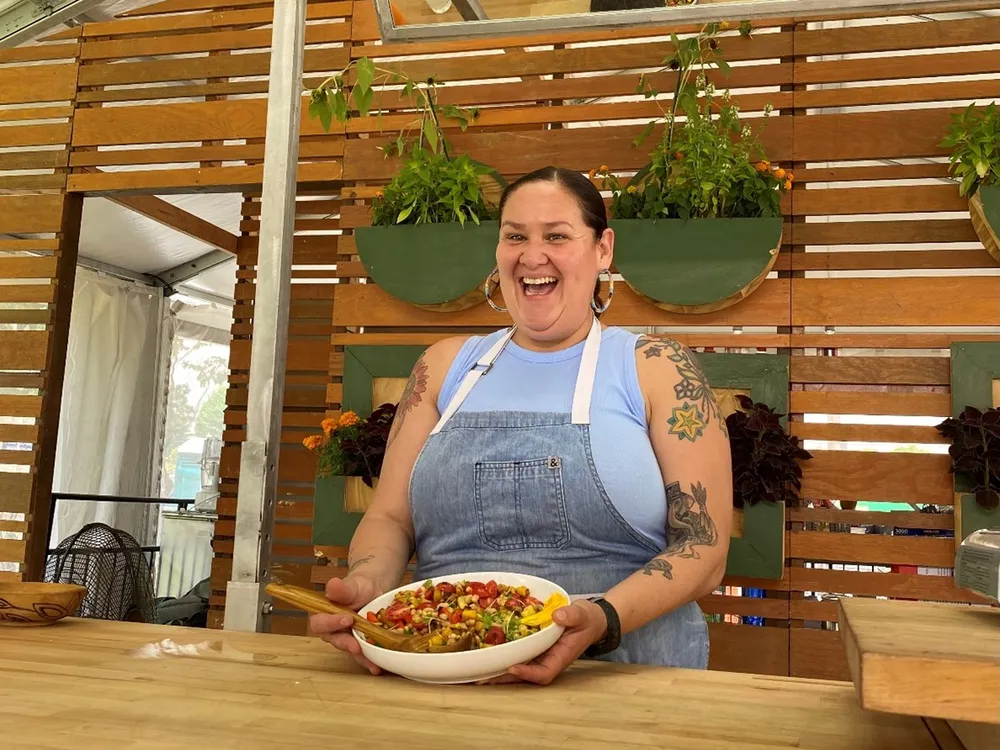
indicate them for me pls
(974, 139)
(765, 457)
(351, 446)
(707, 164)
(975, 452)
(434, 232)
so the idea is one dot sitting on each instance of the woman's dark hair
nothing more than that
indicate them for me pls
(587, 196)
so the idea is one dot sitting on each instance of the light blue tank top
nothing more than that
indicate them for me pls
(525, 380)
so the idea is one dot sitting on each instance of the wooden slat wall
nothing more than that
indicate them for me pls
(878, 249)
(38, 236)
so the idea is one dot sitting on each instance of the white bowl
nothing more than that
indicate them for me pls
(465, 666)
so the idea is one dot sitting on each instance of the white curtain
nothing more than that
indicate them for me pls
(109, 423)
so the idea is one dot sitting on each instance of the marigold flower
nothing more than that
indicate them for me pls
(349, 419)
(604, 168)
(790, 176)
(592, 173)
(379, 193)
(788, 184)
(313, 442)
(329, 425)
(779, 173)
(762, 166)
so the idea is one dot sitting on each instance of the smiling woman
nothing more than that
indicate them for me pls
(559, 448)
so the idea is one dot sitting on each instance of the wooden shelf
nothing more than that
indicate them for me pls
(924, 659)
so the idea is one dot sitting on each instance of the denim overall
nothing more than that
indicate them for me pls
(519, 492)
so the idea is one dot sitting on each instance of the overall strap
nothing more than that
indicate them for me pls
(584, 391)
(471, 378)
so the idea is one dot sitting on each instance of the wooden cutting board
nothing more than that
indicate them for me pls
(924, 659)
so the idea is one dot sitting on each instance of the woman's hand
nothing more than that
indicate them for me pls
(585, 624)
(352, 592)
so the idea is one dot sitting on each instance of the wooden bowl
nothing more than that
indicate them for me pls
(31, 605)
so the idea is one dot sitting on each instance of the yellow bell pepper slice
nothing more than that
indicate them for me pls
(543, 618)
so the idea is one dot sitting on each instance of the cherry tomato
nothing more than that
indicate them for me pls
(372, 617)
(477, 589)
(491, 589)
(495, 636)
(446, 588)
(398, 613)
(487, 603)
(533, 600)
(456, 616)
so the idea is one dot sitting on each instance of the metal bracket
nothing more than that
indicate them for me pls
(188, 270)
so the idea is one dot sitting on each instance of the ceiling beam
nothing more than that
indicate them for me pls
(169, 215)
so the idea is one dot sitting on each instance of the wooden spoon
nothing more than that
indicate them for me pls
(315, 603)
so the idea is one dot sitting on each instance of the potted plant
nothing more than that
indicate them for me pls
(433, 237)
(975, 453)
(350, 453)
(974, 139)
(765, 457)
(700, 226)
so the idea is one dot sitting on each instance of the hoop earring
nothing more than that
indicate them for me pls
(489, 292)
(611, 293)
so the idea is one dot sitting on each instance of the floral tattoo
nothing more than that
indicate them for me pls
(693, 385)
(416, 386)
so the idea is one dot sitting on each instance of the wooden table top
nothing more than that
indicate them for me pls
(924, 659)
(81, 684)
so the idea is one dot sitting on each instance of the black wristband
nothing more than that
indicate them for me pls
(613, 637)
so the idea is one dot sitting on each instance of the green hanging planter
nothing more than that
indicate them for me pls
(697, 265)
(984, 208)
(439, 267)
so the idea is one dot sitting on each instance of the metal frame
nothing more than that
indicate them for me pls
(800, 10)
(246, 604)
(29, 18)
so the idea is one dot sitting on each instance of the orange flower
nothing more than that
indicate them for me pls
(604, 168)
(762, 166)
(790, 176)
(678, 156)
(788, 184)
(592, 173)
(779, 173)
(313, 442)
(349, 419)
(379, 194)
(329, 425)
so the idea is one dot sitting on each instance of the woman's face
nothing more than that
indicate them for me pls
(548, 260)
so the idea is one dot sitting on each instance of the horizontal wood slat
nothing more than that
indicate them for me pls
(897, 302)
(844, 402)
(30, 214)
(367, 305)
(874, 549)
(875, 433)
(902, 519)
(895, 585)
(29, 84)
(871, 370)
(208, 179)
(900, 477)
(22, 350)
(181, 44)
(15, 492)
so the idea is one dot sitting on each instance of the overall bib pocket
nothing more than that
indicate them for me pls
(521, 504)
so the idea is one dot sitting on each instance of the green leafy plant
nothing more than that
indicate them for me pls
(975, 452)
(765, 457)
(707, 164)
(432, 186)
(974, 139)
